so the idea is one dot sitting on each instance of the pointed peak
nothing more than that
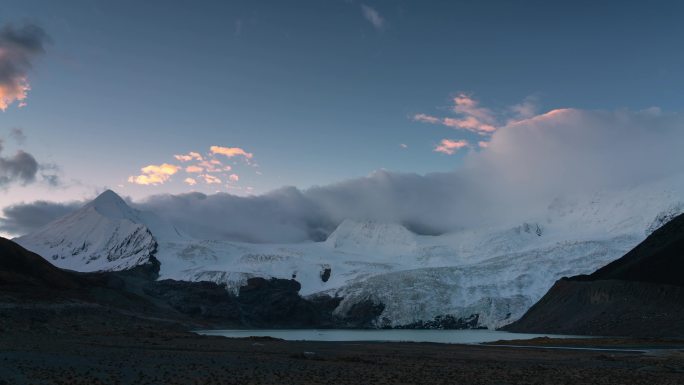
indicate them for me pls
(108, 196)
(110, 204)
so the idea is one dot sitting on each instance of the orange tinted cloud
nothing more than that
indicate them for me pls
(194, 169)
(234, 177)
(154, 174)
(15, 91)
(231, 151)
(190, 181)
(449, 147)
(210, 165)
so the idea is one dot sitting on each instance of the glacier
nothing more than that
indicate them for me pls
(496, 272)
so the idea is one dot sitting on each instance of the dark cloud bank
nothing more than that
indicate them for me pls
(19, 47)
(526, 166)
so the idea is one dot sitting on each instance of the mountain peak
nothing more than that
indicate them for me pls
(378, 237)
(111, 205)
(107, 196)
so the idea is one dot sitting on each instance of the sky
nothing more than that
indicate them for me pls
(246, 97)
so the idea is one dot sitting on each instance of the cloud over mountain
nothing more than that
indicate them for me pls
(527, 164)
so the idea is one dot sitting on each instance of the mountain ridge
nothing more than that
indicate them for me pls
(639, 295)
(495, 272)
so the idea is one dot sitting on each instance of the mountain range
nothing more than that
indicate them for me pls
(494, 273)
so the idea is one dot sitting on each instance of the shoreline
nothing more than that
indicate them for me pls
(136, 352)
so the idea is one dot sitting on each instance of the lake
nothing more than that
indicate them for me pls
(382, 335)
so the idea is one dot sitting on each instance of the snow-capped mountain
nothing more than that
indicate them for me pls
(495, 272)
(105, 234)
(365, 237)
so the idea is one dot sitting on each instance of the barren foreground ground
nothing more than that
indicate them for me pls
(116, 350)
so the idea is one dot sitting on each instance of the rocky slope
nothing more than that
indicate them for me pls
(640, 294)
(30, 282)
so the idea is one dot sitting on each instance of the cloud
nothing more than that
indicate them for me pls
(212, 165)
(403, 145)
(200, 171)
(373, 16)
(194, 169)
(24, 218)
(189, 156)
(426, 118)
(527, 165)
(17, 134)
(50, 174)
(210, 179)
(21, 168)
(472, 117)
(19, 46)
(525, 110)
(483, 144)
(231, 152)
(449, 147)
(154, 175)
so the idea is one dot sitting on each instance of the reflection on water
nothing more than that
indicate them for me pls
(384, 335)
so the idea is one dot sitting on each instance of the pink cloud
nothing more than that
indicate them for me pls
(469, 123)
(234, 177)
(17, 90)
(154, 174)
(449, 147)
(466, 105)
(194, 169)
(189, 156)
(471, 117)
(483, 144)
(210, 179)
(231, 151)
(190, 181)
(210, 165)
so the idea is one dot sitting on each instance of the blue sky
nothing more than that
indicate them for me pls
(318, 91)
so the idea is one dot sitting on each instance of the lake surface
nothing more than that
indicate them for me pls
(382, 335)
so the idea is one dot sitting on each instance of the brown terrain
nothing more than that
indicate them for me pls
(63, 346)
(59, 327)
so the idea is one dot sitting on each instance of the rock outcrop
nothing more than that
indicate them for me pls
(638, 295)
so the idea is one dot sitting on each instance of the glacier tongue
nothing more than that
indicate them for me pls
(105, 234)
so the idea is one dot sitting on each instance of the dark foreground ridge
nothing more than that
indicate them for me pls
(29, 282)
(60, 327)
(640, 294)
